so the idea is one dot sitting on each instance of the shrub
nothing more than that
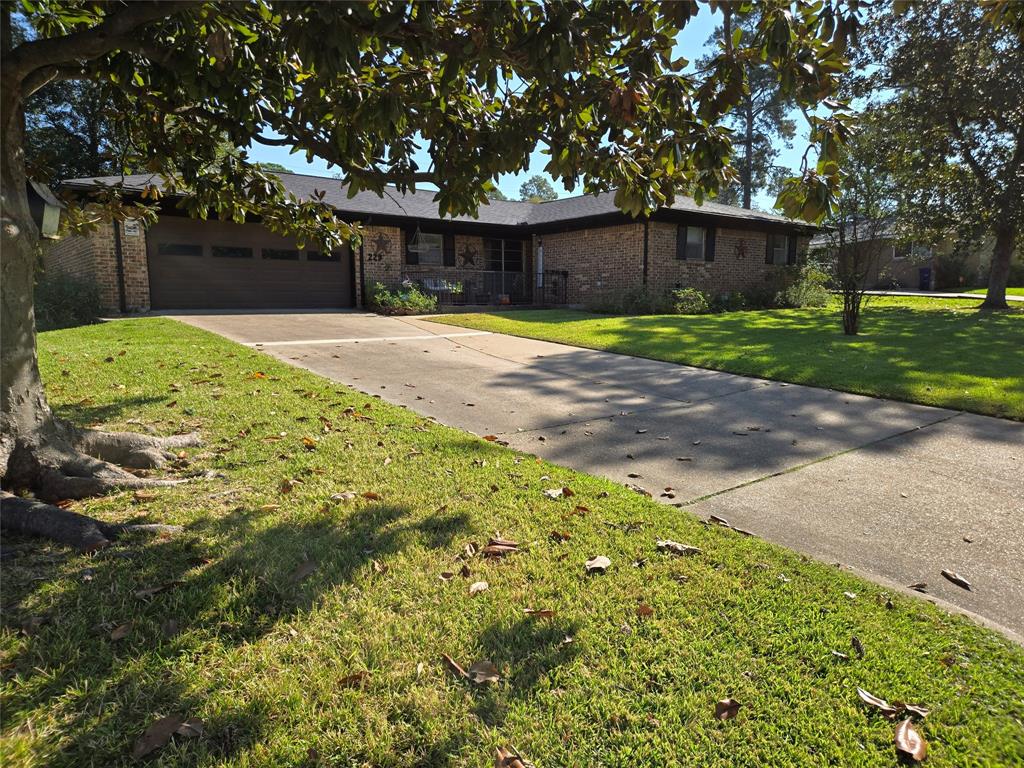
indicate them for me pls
(64, 301)
(735, 301)
(809, 290)
(407, 299)
(690, 301)
(633, 301)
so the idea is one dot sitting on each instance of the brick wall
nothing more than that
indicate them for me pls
(601, 260)
(383, 254)
(739, 263)
(93, 257)
(70, 256)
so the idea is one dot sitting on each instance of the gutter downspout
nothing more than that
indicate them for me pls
(119, 259)
(647, 232)
(362, 276)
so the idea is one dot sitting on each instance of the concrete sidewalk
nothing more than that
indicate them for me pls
(896, 491)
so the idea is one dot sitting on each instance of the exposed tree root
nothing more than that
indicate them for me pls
(84, 533)
(66, 462)
(130, 449)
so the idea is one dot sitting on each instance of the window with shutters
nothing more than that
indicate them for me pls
(693, 242)
(779, 247)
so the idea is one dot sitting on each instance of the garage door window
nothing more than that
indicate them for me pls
(319, 256)
(179, 249)
(281, 254)
(231, 252)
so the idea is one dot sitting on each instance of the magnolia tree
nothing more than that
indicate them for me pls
(362, 86)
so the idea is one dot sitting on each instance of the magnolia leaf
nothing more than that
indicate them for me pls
(957, 579)
(477, 587)
(192, 728)
(667, 545)
(508, 757)
(599, 564)
(483, 672)
(884, 706)
(354, 680)
(454, 666)
(909, 743)
(726, 709)
(157, 735)
(499, 548)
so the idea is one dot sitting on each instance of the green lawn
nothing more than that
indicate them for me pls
(271, 661)
(1009, 291)
(934, 351)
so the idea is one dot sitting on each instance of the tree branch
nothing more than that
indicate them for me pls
(116, 31)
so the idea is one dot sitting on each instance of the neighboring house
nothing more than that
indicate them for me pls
(557, 252)
(915, 267)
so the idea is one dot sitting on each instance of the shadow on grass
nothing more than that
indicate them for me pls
(89, 413)
(224, 600)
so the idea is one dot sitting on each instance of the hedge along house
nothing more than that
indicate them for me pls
(559, 252)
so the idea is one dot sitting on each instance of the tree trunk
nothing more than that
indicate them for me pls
(999, 272)
(748, 160)
(39, 453)
(23, 407)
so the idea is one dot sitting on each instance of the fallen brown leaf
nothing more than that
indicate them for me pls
(644, 610)
(454, 666)
(371, 495)
(446, 576)
(909, 742)
(882, 705)
(490, 438)
(483, 672)
(499, 548)
(560, 536)
(192, 728)
(507, 757)
(667, 545)
(143, 496)
(354, 680)
(157, 735)
(121, 631)
(726, 709)
(957, 579)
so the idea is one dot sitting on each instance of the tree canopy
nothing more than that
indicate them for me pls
(760, 121)
(362, 86)
(946, 79)
(537, 189)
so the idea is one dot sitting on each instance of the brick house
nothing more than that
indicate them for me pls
(559, 252)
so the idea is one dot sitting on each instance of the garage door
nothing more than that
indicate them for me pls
(220, 265)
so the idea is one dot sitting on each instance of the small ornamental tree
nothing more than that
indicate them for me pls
(861, 226)
(361, 85)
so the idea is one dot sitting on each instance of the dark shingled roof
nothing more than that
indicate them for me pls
(421, 204)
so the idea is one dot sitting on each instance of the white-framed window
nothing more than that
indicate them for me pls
(429, 247)
(695, 243)
(779, 248)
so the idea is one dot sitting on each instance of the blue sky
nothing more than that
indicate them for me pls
(690, 44)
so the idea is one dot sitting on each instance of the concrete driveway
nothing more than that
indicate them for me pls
(898, 492)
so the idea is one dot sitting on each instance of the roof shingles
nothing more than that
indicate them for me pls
(421, 204)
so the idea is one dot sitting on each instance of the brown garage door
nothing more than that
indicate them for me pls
(220, 265)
